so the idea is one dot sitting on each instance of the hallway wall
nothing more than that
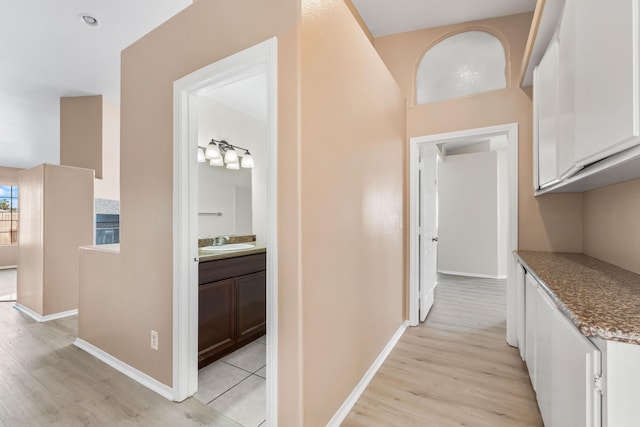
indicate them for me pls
(552, 222)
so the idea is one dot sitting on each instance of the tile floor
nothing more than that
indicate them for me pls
(8, 280)
(236, 384)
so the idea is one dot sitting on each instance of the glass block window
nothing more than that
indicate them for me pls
(460, 65)
(8, 214)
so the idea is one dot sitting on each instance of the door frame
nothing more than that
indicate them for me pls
(415, 143)
(261, 58)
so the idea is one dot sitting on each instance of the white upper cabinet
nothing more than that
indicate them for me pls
(546, 118)
(594, 96)
(565, 159)
(606, 78)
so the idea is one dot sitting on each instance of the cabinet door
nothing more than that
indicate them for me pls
(546, 99)
(252, 305)
(565, 147)
(530, 327)
(216, 318)
(544, 358)
(521, 312)
(576, 362)
(607, 80)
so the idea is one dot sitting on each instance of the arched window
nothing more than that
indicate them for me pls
(460, 65)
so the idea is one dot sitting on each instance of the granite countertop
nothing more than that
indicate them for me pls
(601, 299)
(205, 256)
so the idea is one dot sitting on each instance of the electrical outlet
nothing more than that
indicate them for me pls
(154, 339)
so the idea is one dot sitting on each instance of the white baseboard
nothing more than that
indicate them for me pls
(136, 375)
(466, 274)
(348, 404)
(40, 318)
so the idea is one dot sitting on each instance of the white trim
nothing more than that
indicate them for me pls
(261, 58)
(351, 400)
(140, 377)
(511, 131)
(40, 318)
(466, 274)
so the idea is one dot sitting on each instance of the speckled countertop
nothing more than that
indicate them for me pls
(601, 299)
(205, 256)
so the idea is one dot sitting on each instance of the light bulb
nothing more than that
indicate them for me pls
(216, 162)
(231, 157)
(234, 166)
(212, 151)
(247, 161)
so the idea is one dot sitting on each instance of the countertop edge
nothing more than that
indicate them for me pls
(259, 249)
(589, 331)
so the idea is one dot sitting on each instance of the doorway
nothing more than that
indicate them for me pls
(419, 289)
(261, 58)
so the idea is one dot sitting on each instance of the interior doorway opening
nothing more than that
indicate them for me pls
(258, 60)
(424, 238)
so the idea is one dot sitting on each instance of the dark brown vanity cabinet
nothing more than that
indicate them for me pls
(232, 303)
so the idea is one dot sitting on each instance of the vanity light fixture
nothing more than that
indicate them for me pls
(222, 153)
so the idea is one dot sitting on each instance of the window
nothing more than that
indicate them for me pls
(463, 64)
(8, 214)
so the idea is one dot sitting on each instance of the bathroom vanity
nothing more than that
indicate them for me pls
(231, 301)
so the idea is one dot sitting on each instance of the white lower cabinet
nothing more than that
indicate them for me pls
(531, 289)
(574, 369)
(520, 302)
(563, 364)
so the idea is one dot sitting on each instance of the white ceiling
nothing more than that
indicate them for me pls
(384, 17)
(248, 96)
(46, 45)
(48, 52)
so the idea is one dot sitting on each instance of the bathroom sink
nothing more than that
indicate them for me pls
(229, 247)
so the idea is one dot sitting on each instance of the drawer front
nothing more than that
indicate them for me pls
(213, 271)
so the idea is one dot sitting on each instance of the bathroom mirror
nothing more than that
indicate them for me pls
(224, 201)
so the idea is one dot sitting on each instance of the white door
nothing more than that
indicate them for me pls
(428, 238)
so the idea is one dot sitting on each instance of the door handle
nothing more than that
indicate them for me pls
(434, 239)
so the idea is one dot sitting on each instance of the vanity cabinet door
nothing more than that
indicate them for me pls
(252, 305)
(216, 318)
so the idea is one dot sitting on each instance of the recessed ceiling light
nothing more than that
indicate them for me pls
(89, 20)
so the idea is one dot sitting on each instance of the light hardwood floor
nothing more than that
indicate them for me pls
(46, 381)
(8, 279)
(453, 370)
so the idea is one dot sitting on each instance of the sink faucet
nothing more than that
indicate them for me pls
(220, 240)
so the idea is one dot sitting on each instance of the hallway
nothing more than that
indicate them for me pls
(453, 370)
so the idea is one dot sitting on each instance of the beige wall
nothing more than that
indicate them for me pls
(612, 224)
(138, 280)
(362, 209)
(81, 132)
(550, 222)
(108, 187)
(8, 253)
(90, 138)
(353, 147)
(56, 218)
(31, 239)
